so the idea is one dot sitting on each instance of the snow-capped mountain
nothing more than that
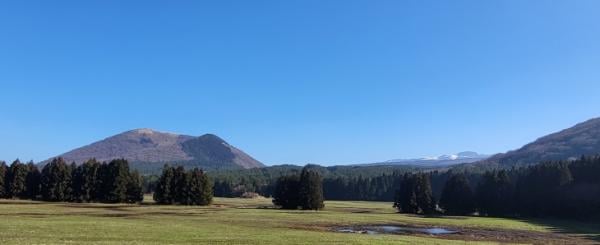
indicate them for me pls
(443, 160)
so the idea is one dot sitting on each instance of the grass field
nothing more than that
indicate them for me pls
(254, 221)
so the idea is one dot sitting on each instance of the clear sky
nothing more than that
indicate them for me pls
(328, 82)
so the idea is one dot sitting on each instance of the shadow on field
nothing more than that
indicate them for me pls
(587, 230)
(16, 201)
(437, 216)
(267, 207)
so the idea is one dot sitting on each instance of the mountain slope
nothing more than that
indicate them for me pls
(581, 139)
(147, 146)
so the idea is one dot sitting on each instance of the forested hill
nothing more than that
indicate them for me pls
(569, 144)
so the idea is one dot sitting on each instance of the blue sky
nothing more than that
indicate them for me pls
(329, 82)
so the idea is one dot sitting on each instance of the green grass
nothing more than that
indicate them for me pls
(227, 221)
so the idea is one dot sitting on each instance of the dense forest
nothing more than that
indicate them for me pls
(565, 189)
(568, 189)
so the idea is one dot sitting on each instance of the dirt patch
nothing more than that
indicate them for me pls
(466, 234)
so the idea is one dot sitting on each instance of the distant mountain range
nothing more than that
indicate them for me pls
(571, 143)
(150, 147)
(581, 139)
(439, 161)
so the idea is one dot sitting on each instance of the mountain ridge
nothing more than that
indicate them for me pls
(567, 144)
(145, 145)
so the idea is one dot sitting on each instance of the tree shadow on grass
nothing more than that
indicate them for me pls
(267, 207)
(439, 216)
(585, 229)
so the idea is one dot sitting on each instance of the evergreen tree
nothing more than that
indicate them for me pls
(415, 195)
(17, 180)
(104, 184)
(585, 170)
(286, 194)
(494, 194)
(134, 188)
(207, 188)
(162, 194)
(3, 180)
(93, 181)
(85, 181)
(425, 200)
(539, 188)
(457, 196)
(486, 196)
(33, 181)
(199, 188)
(78, 181)
(223, 188)
(56, 181)
(192, 186)
(311, 190)
(337, 189)
(581, 197)
(406, 197)
(178, 186)
(116, 181)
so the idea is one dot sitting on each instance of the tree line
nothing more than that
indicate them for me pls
(58, 181)
(349, 186)
(564, 189)
(178, 186)
(304, 191)
(372, 183)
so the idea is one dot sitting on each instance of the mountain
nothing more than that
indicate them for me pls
(439, 161)
(581, 139)
(147, 147)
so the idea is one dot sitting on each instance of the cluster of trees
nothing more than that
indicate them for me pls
(373, 183)
(567, 189)
(415, 195)
(19, 180)
(304, 191)
(92, 181)
(178, 186)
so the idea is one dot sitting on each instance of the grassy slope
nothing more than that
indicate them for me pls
(228, 221)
